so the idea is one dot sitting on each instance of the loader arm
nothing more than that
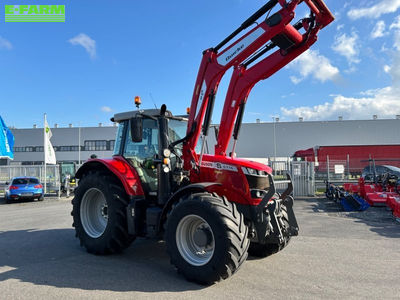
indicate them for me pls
(291, 44)
(215, 63)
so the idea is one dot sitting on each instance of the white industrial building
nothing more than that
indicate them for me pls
(28, 147)
(257, 140)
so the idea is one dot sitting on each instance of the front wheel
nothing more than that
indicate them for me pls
(206, 238)
(99, 213)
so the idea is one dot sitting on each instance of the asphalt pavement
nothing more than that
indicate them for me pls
(337, 255)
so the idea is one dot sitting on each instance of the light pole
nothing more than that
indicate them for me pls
(274, 130)
(79, 144)
(44, 153)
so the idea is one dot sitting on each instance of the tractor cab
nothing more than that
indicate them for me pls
(143, 139)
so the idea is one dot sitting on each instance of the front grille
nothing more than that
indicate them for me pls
(258, 182)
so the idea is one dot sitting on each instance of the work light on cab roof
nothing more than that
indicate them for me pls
(138, 101)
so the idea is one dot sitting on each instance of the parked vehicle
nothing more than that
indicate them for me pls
(67, 177)
(371, 171)
(211, 209)
(24, 188)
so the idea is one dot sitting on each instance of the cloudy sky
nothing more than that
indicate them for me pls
(85, 70)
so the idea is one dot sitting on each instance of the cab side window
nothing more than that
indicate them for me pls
(118, 140)
(140, 155)
(148, 147)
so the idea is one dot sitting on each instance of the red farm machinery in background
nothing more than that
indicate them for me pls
(355, 157)
(210, 209)
(372, 189)
(359, 196)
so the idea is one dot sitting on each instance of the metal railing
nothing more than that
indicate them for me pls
(7, 173)
(302, 174)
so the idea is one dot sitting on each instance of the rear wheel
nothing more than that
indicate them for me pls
(99, 213)
(264, 250)
(206, 238)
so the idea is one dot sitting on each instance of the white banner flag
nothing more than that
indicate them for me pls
(49, 154)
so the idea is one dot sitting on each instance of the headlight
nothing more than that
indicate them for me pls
(167, 153)
(253, 172)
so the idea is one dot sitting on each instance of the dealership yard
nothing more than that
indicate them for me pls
(337, 255)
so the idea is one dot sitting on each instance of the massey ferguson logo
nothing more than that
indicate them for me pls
(218, 166)
(238, 49)
(207, 164)
(227, 56)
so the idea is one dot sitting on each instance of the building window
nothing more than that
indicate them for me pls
(101, 145)
(39, 149)
(95, 145)
(66, 148)
(28, 149)
(90, 145)
(112, 144)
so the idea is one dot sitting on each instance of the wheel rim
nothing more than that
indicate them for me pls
(94, 212)
(195, 240)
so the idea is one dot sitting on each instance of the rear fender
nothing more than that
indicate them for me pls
(118, 167)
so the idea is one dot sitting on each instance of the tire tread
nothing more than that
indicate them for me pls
(118, 237)
(236, 235)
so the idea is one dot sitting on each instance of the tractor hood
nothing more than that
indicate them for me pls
(228, 163)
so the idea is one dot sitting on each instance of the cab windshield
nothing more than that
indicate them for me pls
(149, 145)
(176, 131)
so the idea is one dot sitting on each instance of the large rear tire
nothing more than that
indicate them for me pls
(99, 213)
(206, 238)
(264, 250)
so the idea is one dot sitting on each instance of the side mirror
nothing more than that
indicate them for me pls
(137, 129)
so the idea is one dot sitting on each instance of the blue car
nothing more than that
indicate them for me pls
(24, 188)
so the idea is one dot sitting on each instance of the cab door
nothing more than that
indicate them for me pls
(142, 154)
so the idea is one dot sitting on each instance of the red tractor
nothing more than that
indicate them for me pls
(211, 209)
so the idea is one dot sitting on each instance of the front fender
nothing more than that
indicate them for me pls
(120, 168)
(189, 189)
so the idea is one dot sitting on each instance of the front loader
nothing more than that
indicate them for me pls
(211, 210)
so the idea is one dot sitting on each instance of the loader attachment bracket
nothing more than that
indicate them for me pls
(293, 226)
(288, 201)
(268, 215)
(289, 189)
(271, 192)
(274, 221)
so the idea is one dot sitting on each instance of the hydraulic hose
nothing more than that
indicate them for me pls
(268, 6)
